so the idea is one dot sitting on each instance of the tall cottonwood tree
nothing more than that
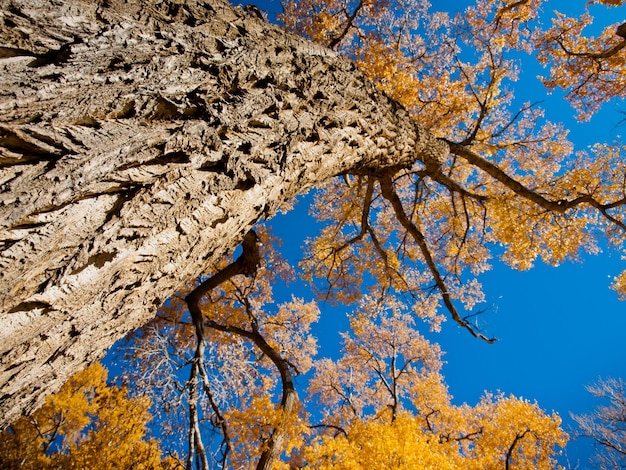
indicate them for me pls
(141, 141)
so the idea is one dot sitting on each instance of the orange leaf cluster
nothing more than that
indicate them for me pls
(87, 424)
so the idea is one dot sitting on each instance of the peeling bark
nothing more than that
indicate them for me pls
(139, 143)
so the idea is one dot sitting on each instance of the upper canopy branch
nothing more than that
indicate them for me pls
(610, 52)
(388, 192)
(559, 206)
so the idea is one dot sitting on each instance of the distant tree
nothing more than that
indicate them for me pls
(403, 444)
(385, 405)
(607, 424)
(382, 403)
(86, 425)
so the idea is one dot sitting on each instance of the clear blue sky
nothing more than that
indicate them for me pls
(559, 329)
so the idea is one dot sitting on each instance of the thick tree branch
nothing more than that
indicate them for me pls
(473, 158)
(247, 264)
(389, 193)
(559, 206)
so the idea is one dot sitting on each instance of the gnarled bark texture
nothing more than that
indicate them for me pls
(139, 142)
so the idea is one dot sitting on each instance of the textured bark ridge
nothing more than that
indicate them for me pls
(139, 142)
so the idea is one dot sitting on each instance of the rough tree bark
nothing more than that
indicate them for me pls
(139, 142)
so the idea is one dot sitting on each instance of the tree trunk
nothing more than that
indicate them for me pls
(139, 142)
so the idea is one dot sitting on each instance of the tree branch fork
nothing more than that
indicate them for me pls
(246, 264)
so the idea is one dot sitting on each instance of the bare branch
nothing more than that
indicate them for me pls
(606, 425)
(219, 421)
(273, 446)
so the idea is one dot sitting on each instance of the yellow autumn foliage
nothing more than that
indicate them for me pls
(504, 430)
(385, 405)
(511, 180)
(86, 425)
